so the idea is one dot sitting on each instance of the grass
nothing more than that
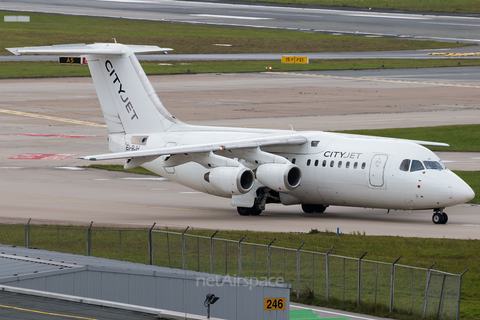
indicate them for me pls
(452, 256)
(463, 6)
(10, 70)
(462, 138)
(48, 29)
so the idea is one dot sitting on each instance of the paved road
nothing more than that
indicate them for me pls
(62, 116)
(445, 27)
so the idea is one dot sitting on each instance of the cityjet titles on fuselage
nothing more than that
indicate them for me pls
(128, 104)
(342, 154)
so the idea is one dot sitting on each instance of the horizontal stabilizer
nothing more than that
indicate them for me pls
(290, 139)
(85, 49)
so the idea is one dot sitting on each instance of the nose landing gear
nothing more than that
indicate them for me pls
(439, 217)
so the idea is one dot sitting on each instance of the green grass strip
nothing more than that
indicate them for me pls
(48, 29)
(11, 70)
(462, 138)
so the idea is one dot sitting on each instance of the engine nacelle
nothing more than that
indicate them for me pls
(233, 180)
(279, 177)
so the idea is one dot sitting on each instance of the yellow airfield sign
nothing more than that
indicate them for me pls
(290, 59)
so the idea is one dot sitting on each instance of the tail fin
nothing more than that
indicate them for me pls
(128, 100)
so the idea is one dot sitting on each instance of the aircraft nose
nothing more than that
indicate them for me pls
(461, 192)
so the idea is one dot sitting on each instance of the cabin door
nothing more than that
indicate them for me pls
(377, 170)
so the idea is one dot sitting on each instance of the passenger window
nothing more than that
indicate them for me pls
(316, 163)
(308, 162)
(433, 165)
(363, 165)
(324, 163)
(405, 165)
(416, 166)
(332, 163)
(294, 160)
(339, 164)
(355, 165)
(347, 165)
(314, 143)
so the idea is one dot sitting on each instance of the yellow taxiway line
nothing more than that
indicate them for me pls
(39, 116)
(47, 313)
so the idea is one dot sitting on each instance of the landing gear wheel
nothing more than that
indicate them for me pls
(256, 211)
(313, 208)
(308, 208)
(445, 218)
(439, 217)
(244, 211)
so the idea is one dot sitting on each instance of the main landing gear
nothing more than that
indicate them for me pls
(439, 217)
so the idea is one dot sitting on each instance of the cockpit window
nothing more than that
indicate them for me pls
(405, 165)
(416, 166)
(433, 165)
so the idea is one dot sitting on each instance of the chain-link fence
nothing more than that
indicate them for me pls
(428, 293)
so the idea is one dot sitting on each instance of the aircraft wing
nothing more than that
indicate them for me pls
(420, 142)
(263, 141)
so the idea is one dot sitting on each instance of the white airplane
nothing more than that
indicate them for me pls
(254, 167)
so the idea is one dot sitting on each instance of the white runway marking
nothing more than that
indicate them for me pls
(70, 168)
(229, 17)
(387, 16)
(454, 24)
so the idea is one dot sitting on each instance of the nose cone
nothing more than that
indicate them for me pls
(461, 192)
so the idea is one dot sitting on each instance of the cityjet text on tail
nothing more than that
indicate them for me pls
(255, 167)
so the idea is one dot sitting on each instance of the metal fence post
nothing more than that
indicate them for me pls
(298, 269)
(313, 273)
(327, 272)
(120, 243)
(359, 289)
(168, 249)
(425, 302)
(150, 244)
(27, 234)
(240, 256)
(459, 294)
(198, 254)
(211, 251)
(89, 239)
(184, 258)
(442, 295)
(392, 285)
(268, 257)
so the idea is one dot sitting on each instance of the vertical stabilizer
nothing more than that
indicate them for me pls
(128, 100)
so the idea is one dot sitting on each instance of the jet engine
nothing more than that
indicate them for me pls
(234, 180)
(279, 177)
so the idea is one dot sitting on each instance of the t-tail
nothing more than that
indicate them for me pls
(129, 103)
